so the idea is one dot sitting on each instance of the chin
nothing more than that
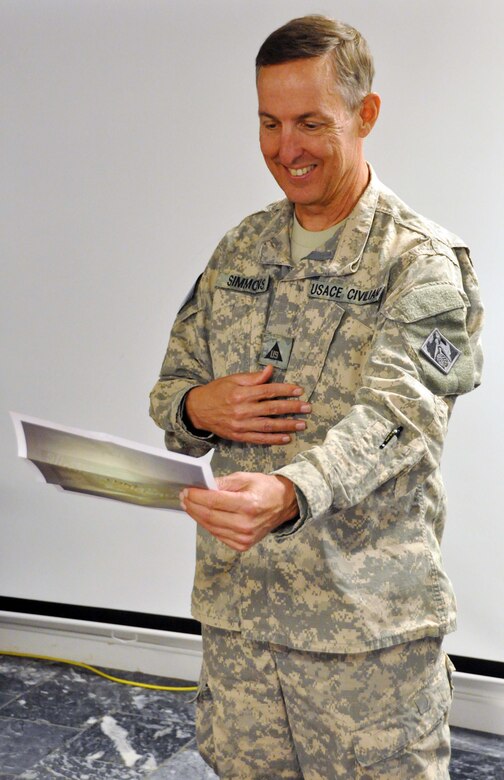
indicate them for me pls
(295, 193)
(301, 198)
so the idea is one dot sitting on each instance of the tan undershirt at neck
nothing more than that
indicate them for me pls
(305, 241)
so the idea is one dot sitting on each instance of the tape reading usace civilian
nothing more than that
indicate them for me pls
(336, 292)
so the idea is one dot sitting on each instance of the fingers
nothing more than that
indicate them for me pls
(244, 508)
(214, 511)
(249, 403)
(247, 408)
(272, 390)
(234, 481)
(264, 430)
(268, 425)
(225, 501)
(263, 421)
(259, 387)
(276, 407)
(256, 377)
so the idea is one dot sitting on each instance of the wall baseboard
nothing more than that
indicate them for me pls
(478, 702)
(100, 644)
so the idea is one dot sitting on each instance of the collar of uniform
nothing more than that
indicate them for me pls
(340, 255)
(274, 242)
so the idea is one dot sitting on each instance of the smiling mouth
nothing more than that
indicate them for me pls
(301, 171)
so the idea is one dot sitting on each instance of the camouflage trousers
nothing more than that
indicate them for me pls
(267, 712)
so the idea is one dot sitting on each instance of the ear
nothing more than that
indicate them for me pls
(368, 113)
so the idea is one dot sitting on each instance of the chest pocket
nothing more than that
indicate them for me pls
(313, 332)
(237, 318)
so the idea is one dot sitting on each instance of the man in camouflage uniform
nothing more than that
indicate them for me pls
(320, 354)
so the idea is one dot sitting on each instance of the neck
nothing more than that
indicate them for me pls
(321, 217)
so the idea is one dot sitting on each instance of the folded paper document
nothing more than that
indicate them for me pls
(107, 466)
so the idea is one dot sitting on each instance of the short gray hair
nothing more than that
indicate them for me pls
(315, 36)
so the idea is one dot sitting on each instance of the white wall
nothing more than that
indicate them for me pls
(129, 146)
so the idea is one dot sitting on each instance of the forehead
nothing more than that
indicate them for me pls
(296, 85)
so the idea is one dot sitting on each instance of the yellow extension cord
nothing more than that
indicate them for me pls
(102, 674)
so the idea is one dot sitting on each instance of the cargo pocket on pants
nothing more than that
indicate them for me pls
(204, 721)
(411, 742)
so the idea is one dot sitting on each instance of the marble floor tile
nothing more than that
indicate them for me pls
(6, 698)
(466, 765)
(10, 688)
(25, 670)
(186, 765)
(63, 766)
(70, 698)
(146, 702)
(23, 743)
(16, 677)
(126, 740)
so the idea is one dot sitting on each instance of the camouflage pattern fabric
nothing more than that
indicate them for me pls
(266, 711)
(380, 326)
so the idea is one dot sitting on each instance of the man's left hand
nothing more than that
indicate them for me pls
(244, 509)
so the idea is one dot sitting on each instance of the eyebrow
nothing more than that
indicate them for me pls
(301, 116)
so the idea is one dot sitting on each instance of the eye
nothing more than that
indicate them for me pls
(269, 124)
(311, 125)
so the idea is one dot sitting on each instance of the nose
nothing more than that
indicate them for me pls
(289, 146)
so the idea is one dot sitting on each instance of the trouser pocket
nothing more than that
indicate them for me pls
(413, 741)
(449, 671)
(204, 721)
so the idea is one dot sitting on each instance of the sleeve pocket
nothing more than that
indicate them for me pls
(391, 736)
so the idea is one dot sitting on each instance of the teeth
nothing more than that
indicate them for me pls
(301, 171)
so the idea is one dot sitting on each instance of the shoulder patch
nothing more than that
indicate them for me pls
(440, 351)
(190, 295)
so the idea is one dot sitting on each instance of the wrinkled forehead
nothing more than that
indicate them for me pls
(298, 87)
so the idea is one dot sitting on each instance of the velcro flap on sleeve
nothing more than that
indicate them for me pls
(427, 300)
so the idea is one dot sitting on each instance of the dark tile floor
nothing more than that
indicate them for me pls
(59, 721)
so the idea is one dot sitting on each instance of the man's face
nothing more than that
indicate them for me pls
(310, 140)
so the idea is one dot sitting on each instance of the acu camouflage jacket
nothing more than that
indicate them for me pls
(380, 326)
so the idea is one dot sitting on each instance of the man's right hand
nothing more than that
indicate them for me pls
(244, 407)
